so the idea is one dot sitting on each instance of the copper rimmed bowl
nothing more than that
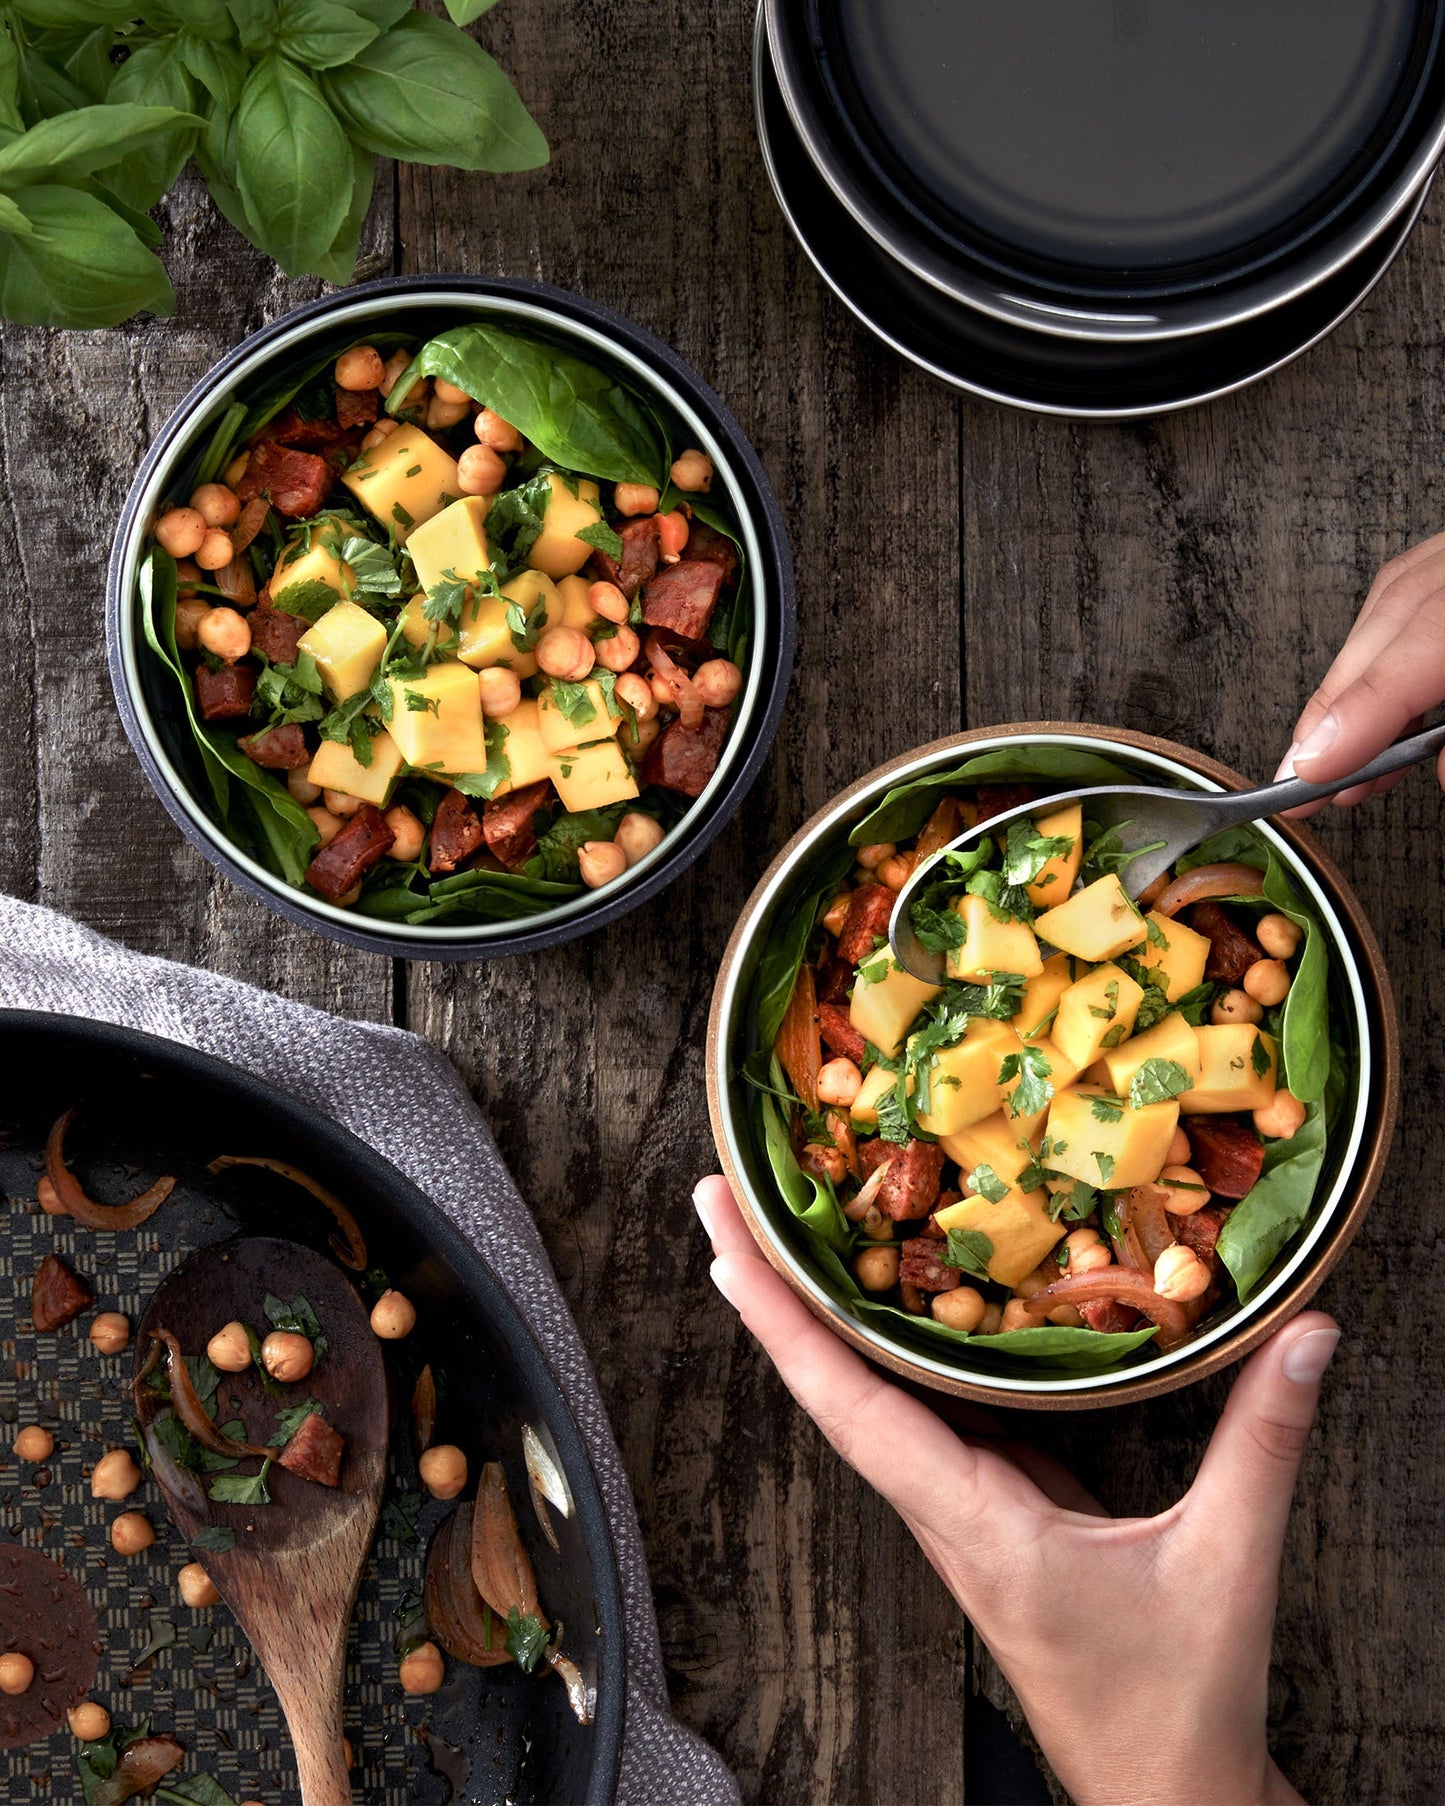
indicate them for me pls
(1362, 1016)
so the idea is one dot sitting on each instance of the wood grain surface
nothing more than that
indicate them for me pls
(957, 565)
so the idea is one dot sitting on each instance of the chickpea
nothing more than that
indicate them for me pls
(110, 1333)
(444, 1470)
(1184, 1191)
(618, 650)
(17, 1671)
(88, 1721)
(450, 393)
(599, 862)
(216, 505)
(637, 834)
(301, 787)
(962, 1308)
(225, 633)
(342, 803)
(181, 532)
(381, 432)
(196, 1587)
(1180, 1153)
(895, 872)
(189, 616)
(116, 1476)
(1279, 936)
(1016, 1315)
(1267, 981)
(607, 600)
(635, 743)
(692, 470)
(407, 834)
(818, 1157)
(287, 1356)
(215, 550)
(662, 693)
(1235, 1006)
(566, 652)
(1087, 1251)
(131, 1533)
(480, 471)
(441, 414)
(34, 1443)
(839, 1081)
(188, 574)
(497, 433)
(1067, 1316)
(991, 1322)
(717, 681)
(349, 898)
(836, 914)
(49, 1198)
(232, 475)
(635, 693)
(359, 369)
(392, 369)
(1033, 1283)
(393, 1316)
(230, 1348)
(422, 1669)
(327, 825)
(876, 1269)
(635, 498)
(501, 691)
(1180, 1274)
(872, 856)
(1282, 1117)
(672, 532)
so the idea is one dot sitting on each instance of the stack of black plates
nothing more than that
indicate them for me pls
(1101, 208)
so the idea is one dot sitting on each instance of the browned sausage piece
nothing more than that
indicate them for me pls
(278, 748)
(1231, 951)
(295, 481)
(509, 824)
(704, 541)
(866, 923)
(921, 1264)
(640, 554)
(225, 695)
(683, 759)
(356, 407)
(456, 832)
(57, 1297)
(839, 1034)
(343, 863)
(276, 635)
(911, 1184)
(1226, 1152)
(315, 1451)
(682, 596)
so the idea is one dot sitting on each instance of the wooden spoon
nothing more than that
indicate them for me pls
(291, 1576)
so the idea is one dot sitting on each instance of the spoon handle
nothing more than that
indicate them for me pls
(1274, 799)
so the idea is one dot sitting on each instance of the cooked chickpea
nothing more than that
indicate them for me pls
(839, 1081)
(393, 1316)
(131, 1533)
(497, 433)
(189, 616)
(444, 1470)
(1033, 1283)
(662, 693)
(301, 786)
(607, 600)
(962, 1308)
(1180, 1274)
(49, 1198)
(34, 1443)
(635, 498)
(349, 898)
(876, 1269)
(407, 834)
(1180, 1153)
(216, 505)
(672, 532)
(196, 1587)
(636, 694)
(1087, 1251)
(1235, 1006)
(1184, 1191)
(392, 369)
(1067, 1316)
(181, 532)
(480, 471)
(692, 470)
(342, 803)
(501, 691)
(566, 652)
(873, 855)
(116, 1476)
(618, 650)
(360, 369)
(327, 825)
(637, 834)
(188, 575)
(230, 1348)
(225, 633)
(1282, 1117)
(450, 393)
(1267, 982)
(442, 414)
(216, 549)
(17, 1671)
(422, 1669)
(1016, 1315)
(1279, 936)
(895, 872)
(287, 1356)
(836, 914)
(381, 432)
(991, 1322)
(717, 681)
(818, 1157)
(599, 862)
(110, 1333)
(88, 1721)
(635, 743)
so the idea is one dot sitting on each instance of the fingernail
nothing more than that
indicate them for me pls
(701, 1208)
(718, 1272)
(1306, 1360)
(1319, 739)
(1286, 764)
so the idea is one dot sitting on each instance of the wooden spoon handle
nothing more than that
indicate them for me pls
(312, 1704)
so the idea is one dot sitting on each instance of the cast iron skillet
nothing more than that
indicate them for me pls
(148, 1107)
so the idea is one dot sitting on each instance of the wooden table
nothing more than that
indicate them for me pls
(956, 565)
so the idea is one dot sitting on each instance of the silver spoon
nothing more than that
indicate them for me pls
(1169, 822)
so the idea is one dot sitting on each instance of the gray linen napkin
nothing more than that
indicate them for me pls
(50, 963)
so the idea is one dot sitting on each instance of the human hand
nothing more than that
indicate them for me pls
(1389, 673)
(1139, 1647)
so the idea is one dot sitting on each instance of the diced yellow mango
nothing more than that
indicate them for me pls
(1056, 876)
(527, 589)
(1042, 992)
(963, 1081)
(445, 735)
(1061, 1073)
(319, 565)
(864, 1108)
(1095, 1012)
(991, 945)
(1180, 960)
(557, 549)
(591, 777)
(1239, 1069)
(1171, 1038)
(453, 541)
(405, 480)
(336, 767)
(1018, 1227)
(577, 611)
(1098, 922)
(995, 1142)
(347, 644)
(560, 730)
(883, 1011)
(528, 758)
(1111, 1145)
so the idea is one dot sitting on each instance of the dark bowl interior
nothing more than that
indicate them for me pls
(147, 1107)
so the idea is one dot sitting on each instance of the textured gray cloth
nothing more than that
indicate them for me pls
(340, 1068)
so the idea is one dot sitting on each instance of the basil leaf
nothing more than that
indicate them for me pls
(218, 67)
(463, 12)
(153, 76)
(321, 34)
(258, 22)
(338, 265)
(293, 165)
(80, 266)
(85, 141)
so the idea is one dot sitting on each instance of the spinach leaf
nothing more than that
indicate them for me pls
(778, 967)
(810, 1199)
(1273, 1210)
(908, 806)
(556, 855)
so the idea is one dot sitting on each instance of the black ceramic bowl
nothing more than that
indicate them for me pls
(423, 305)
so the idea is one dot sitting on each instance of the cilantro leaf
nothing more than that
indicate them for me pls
(1027, 851)
(1259, 1057)
(1073, 1204)
(939, 930)
(1107, 1109)
(310, 599)
(986, 1182)
(291, 1417)
(1105, 1164)
(970, 1250)
(573, 702)
(1031, 1068)
(215, 1537)
(1156, 1082)
(893, 1119)
(526, 1639)
(399, 1517)
(603, 537)
(241, 1489)
(499, 766)
(373, 568)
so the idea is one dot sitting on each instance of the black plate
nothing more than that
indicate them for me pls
(148, 1107)
(1045, 373)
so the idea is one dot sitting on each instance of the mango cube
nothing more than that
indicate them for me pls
(588, 719)
(1056, 876)
(1239, 1069)
(1060, 1075)
(1181, 958)
(1094, 1137)
(453, 541)
(878, 1080)
(1018, 1224)
(528, 589)
(963, 1081)
(1095, 1012)
(1042, 992)
(405, 480)
(1099, 922)
(436, 719)
(577, 611)
(557, 549)
(336, 767)
(882, 1011)
(347, 644)
(991, 945)
(1171, 1038)
(527, 757)
(591, 777)
(319, 565)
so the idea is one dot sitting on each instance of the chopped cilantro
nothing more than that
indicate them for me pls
(573, 702)
(1156, 1082)
(1105, 1164)
(242, 1489)
(291, 1417)
(1028, 851)
(526, 1639)
(215, 1537)
(399, 1517)
(893, 1121)
(938, 930)
(986, 1182)
(1107, 1109)
(970, 1250)
(1031, 1068)
(603, 538)
(1259, 1057)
